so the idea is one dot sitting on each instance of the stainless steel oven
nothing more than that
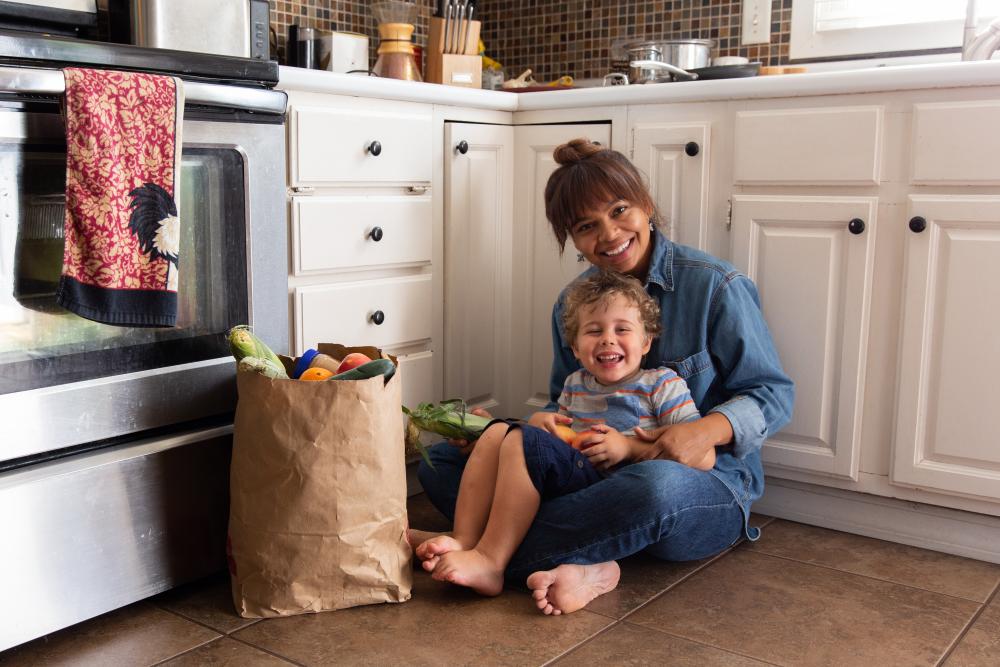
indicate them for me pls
(114, 448)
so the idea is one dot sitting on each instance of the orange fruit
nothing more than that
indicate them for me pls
(316, 374)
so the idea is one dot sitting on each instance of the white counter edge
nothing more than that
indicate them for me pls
(877, 79)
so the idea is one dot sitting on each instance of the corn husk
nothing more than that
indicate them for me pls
(243, 343)
(265, 367)
(449, 418)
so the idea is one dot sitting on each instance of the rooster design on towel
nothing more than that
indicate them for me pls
(154, 222)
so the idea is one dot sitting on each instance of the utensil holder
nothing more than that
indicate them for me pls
(464, 68)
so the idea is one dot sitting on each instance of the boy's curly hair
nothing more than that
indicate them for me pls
(600, 288)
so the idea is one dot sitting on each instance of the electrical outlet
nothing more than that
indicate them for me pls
(756, 22)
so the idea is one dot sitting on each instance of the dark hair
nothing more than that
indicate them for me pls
(600, 288)
(590, 176)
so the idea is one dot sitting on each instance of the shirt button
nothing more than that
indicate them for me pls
(579, 463)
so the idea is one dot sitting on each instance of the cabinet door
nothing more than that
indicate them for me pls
(477, 228)
(811, 258)
(674, 158)
(540, 272)
(945, 435)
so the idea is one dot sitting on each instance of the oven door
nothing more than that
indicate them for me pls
(68, 383)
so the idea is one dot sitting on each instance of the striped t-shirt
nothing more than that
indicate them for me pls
(652, 398)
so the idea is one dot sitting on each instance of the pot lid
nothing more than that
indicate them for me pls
(661, 43)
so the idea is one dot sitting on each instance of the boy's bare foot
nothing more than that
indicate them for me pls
(416, 537)
(429, 551)
(568, 588)
(470, 568)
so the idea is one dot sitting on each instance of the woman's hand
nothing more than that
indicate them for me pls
(691, 443)
(547, 421)
(604, 447)
(464, 446)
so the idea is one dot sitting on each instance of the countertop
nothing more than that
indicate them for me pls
(876, 79)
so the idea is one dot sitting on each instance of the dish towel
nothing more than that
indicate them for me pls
(122, 232)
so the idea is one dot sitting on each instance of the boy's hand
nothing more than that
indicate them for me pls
(548, 421)
(604, 447)
(464, 446)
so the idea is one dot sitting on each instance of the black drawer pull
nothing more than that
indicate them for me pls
(692, 148)
(462, 147)
(917, 224)
(856, 226)
(375, 234)
(377, 318)
(374, 148)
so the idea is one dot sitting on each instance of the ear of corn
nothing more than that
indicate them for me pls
(243, 343)
(265, 367)
(448, 418)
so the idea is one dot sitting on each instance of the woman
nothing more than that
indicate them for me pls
(714, 336)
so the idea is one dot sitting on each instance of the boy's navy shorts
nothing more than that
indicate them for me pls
(555, 468)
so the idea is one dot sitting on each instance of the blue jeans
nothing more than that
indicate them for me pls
(667, 509)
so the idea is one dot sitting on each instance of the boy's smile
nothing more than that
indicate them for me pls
(611, 340)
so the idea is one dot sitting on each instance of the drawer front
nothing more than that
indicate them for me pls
(418, 378)
(341, 232)
(343, 312)
(332, 145)
(809, 146)
(956, 142)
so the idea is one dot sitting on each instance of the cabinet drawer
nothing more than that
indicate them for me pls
(340, 232)
(330, 145)
(956, 142)
(418, 378)
(799, 146)
(343, 312)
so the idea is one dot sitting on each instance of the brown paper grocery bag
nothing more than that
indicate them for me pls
(318, 494)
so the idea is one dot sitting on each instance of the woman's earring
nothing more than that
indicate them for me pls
(579, 257)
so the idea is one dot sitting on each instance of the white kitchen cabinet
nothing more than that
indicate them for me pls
(812, 260)
(539, 271)
(949, 360)
(478, 170)
(675, 159)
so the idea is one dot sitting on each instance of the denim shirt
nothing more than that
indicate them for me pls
(714, 336)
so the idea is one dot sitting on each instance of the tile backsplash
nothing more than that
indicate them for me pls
(556, 37)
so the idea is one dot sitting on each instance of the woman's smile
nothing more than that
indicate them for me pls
(615, 236)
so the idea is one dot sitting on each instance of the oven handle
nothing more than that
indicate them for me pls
(33, 81)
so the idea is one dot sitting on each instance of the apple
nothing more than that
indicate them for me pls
(353, 360)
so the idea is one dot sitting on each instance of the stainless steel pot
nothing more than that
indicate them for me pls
(680, 54)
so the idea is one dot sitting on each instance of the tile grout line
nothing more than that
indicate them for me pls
(583, 641)
(866, 576)
(701, 643)
(995, 595)
(188, 650)
(224, 633)
(264, 650)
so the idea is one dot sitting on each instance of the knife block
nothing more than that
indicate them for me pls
(454, 69)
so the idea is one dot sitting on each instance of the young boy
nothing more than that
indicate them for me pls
(612, 322)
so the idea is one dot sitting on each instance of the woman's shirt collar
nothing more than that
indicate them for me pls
(661, 264)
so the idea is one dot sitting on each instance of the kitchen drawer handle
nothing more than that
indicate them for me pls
(374, 148)
(692, 148)
(917, 224)
(377, 318)
(856, 226)
(375, 234)
(462, 147)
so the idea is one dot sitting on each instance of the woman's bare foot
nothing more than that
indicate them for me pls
(429, 551)
(571, 587)
(470, 568)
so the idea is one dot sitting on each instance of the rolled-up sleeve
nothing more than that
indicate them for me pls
(741, 347)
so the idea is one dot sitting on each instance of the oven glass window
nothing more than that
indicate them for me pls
(42, 345)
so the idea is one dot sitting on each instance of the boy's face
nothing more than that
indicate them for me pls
(611, 340)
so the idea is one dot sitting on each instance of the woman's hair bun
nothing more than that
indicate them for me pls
(576, 150)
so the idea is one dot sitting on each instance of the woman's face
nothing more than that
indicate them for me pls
(615, 236)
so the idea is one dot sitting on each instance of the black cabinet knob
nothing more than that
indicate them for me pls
(462, 147)
(856, 226)
(692, 148)
(378, 317)
(375, 234)
(917, 224)
(374, 148)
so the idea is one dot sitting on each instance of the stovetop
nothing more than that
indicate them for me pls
(23, 48)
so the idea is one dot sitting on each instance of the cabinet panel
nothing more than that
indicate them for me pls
(477, 224)
(840, 145)
(674, 157)
(418, 378)
(540, 272)
(344, 312)
(330, 145)
(336, 232)
(956, 142)
(814, 276)
(945, 437)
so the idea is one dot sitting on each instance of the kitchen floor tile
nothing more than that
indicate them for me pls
(643, 578)
(930, 570)
(627, 644)
(208, 601)
(226, 651)
(440, 624)
(792, 613)
(980, 647)
(140, 634)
